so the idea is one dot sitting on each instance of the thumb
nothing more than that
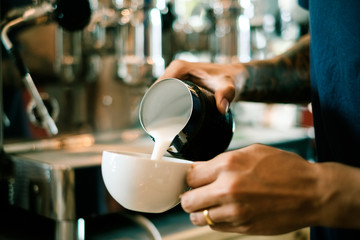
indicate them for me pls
(224, 97)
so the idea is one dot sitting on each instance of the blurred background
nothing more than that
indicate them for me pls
(92, 79)
(73, 74)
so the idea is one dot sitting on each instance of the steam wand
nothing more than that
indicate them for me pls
(46, 121)
(72, 16)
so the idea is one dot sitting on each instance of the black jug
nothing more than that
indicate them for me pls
(206, 132)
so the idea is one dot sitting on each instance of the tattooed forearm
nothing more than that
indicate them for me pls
(284, 79)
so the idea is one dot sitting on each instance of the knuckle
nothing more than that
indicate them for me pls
(232, 191)
(228, 162)
(256, 147)
(240, 213)
(177, 63)
(231, 89)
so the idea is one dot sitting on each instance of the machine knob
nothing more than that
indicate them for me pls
(72, 15)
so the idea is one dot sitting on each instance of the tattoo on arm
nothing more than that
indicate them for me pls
(284, 79)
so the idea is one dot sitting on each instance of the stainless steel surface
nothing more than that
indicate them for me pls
(66, 230)
(45, 181)
(232, 30)
(62, 181)
(69, 54)
(139, 43)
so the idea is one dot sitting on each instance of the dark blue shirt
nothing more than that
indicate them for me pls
(335, 80)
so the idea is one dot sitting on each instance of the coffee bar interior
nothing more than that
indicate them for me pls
(73, 74)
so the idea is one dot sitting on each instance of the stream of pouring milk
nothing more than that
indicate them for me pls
(164, 132)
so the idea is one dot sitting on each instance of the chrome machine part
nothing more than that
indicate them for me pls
(67, 14)
(31, 14)
(139, 48)
(51, 105)
(232, 31)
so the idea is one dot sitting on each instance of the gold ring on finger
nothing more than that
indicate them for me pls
(208, 220)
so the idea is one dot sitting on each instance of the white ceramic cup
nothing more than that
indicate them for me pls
(144, 185)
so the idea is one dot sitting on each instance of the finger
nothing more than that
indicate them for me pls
(228, 214)
(200, 198)
(223, 88)
(176, 69)
(203, 173)
(223, 96)
(199, 219)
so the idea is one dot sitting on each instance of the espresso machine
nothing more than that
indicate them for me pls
(73, 73)
(72, 77)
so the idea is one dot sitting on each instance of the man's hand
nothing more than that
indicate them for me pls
(225, 81)
(254, 190)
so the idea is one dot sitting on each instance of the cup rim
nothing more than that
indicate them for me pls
(147, 157)
(114, 183)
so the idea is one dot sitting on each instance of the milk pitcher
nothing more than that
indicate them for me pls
(205, 132)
